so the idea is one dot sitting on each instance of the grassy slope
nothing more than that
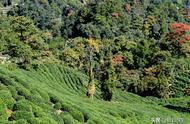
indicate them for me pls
(30, 95)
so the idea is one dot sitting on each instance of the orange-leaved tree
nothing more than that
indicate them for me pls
(179, 39)
(179, 32)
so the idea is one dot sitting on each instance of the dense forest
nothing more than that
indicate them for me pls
(137, 46)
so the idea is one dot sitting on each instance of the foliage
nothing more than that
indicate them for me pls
(22, 115)
(127, 45)
(3, 115)
(7, 98)
(69, 90)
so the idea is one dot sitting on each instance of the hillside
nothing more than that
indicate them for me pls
(135, 55)
(54, 94)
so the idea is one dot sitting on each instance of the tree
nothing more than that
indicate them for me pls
(149, 26)
(178, 37)
(20, 53)
(143, 54)
(23, 26)
(109, 85)
(70, 57)
(92, 48)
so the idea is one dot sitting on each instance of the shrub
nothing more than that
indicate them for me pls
(54, 99)
(4, 122)
(23, 91)
(37, 111)
(67, 118)
(25, 84)
(2, 86)
(44, 95)
(35, 99)
(91, 122)
(34, 92)
(42, 121)
(22, 105)
(115, 114)
(98, 121)
(87, 115)
(7, 98)
(74, 112)
(22, 115)
(5, 80)
(57, 105)
(21, 121)
(13, 91)
(3, 115)
(19, 98)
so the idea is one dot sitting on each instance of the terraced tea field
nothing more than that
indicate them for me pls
(54, 94)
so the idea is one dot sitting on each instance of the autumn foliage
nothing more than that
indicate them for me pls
(179, 32)
(179, 28)
(117, 59)
(90, 90)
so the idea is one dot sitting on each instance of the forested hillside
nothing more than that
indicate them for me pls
(120, 48)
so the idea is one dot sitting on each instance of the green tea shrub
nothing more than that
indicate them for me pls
(23, 91)
(27, 85)
(35, 96)
(22, 115)
(4, 122)
(7, 98)
(37, 111)
(2, 86)
(21, 121)
(87, 115)
(3, 114)
(44, 120)
(58, 105)
(34, 92)
(125, 115)
(44, 95)
(5, 80)
(54, 99)
(98, 120)
(75, 113)
(67, 118)
(115, 114)
(90, 122)
(13, 91)
(35, 99)
(19, 98)
(22, 105)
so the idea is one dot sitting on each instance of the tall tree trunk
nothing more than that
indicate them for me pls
(91, 66)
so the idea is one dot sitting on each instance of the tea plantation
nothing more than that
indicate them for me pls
(54, 94)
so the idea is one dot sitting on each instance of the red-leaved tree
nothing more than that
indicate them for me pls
(179, 39)
(179, 32)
